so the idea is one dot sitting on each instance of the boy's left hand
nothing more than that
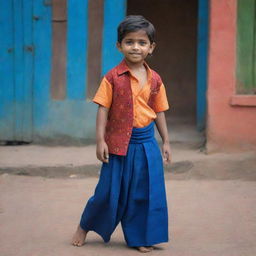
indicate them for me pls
(166, 151)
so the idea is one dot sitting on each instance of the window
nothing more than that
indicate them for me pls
(246, 47)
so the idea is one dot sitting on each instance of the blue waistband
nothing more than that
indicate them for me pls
(144, 134)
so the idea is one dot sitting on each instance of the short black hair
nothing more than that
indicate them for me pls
(133, 23)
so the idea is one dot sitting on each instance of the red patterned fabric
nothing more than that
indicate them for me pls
(120, 118)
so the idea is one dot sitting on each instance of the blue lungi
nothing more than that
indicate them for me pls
(131, 189)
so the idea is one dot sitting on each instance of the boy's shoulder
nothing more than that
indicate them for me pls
(111, 74)
(116, 71)
(155, 75)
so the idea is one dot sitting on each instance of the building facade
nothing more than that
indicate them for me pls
(54, 53)
(231, 95)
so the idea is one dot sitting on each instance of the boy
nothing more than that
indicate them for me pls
(131, 188)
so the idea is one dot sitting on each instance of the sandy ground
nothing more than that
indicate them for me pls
(207, 217)
(211, 198)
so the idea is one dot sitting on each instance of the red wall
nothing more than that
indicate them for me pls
(231, 120)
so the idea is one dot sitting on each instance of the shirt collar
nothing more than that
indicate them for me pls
(123, 68)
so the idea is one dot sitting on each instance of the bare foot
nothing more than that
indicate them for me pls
(145, 248)
(79, 237)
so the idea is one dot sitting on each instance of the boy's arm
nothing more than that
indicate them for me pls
(163, 131)
(101, 121)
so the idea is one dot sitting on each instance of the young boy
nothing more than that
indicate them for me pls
(131, 188)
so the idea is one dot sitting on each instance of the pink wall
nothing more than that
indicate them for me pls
(231, 123)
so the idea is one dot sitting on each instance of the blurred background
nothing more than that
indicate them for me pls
(54, 53)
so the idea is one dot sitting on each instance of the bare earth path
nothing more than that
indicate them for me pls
(207, 217)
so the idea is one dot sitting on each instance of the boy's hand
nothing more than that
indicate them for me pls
(166, 151)
(102, 151)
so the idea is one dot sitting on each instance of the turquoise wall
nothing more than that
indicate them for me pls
(27, 110)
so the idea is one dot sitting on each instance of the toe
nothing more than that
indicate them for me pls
(151, 248)
(75, 242)
(143, 249)
(80, 244)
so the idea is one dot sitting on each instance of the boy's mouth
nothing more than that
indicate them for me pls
(134, 53)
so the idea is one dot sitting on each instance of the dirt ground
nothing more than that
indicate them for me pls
(207, 217)
(211, 198)
(188, 162)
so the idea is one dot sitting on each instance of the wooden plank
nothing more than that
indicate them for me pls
(18, 68)
(19, 107)
(59, 29)
(42, 67)
(114, 13)
(28, 49)
(6, 71)
(96, 11)
(246, 46)
(59, 10)
(77, 43)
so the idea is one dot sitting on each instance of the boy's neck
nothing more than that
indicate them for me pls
(135, 66)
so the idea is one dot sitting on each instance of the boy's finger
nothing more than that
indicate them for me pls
(167, 158)
(106, 156)
(101, 155)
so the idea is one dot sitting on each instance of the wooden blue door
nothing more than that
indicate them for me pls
(16, 70)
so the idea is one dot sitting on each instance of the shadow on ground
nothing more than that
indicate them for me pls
(213, 168)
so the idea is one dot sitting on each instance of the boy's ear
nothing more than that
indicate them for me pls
(118, 46)
(152, 47)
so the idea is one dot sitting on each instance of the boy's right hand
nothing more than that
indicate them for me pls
(102, 151)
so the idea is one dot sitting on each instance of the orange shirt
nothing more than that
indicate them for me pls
(142, 113)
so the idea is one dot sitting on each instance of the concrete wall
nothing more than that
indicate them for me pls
(231, 118)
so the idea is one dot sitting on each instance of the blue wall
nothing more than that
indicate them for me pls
(72, 118)
(16, 70)
(202, 62)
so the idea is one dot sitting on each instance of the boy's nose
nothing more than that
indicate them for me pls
(135, 46)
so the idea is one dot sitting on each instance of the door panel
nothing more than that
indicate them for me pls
(16, 70)
(24, 132)
(6, 70)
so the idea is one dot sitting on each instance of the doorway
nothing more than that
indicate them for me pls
(175, 59)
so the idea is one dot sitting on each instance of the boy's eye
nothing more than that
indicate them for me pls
(129, 42)
(143, 43)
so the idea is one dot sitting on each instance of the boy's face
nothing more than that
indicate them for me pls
(136, 46)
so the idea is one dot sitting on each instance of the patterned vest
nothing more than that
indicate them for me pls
(120, 117)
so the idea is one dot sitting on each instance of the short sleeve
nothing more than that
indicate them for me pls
(161, 102)
(104, 94)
